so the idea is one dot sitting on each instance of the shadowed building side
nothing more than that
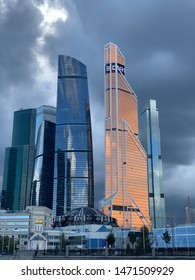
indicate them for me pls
(150, 139)
(42, 185)
(19, 161)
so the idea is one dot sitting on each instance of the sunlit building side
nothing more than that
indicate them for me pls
(126, 189)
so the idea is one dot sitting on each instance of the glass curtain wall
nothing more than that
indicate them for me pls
(42, 186)
(73, 170)
(19, 160)
(126, 190)
(150, 139)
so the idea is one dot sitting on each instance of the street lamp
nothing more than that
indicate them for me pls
(17, 241)
(13, 244)
(2, 249)
(144, 245)
(130, 209)
(143, 234)
(172, 232)
(123, 236)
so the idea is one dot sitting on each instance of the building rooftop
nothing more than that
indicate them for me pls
(84, 215)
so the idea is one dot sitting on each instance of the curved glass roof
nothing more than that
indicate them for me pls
(84, 215)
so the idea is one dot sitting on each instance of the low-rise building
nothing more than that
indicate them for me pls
(182, 238)
(31, 229)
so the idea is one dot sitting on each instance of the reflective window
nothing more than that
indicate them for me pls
(126, 162)
(150, 139)
(73, 169)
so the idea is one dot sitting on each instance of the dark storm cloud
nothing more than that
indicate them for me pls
(178, 136)
(72, 39)
(175, 209)
(19, 31)
(157, 39)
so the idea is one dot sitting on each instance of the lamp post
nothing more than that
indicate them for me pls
(19, 238)
(2, 244)
(130, 208)
(172, 232)
(143, 235)
(9, 237)
(189, 251)
(13, 244)
(125, 236)
(122, 229)
(144, 245)
(15, 229)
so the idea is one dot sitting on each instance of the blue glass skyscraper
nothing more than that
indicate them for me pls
(19, 160)
(150, 139)
(42, 185)
(73, 164)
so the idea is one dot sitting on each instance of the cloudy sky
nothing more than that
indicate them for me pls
(157, 38)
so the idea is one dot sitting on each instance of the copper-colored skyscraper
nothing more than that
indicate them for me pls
(126, 190)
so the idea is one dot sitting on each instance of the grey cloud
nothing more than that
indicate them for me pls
(175, 209)
(19, 31)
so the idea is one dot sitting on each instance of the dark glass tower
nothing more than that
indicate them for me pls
(73, 165)
(42, 186)
(19, 159)
(150, 138)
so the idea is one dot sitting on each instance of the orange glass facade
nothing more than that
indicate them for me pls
(126, 189)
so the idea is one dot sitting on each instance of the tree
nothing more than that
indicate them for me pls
(63, 242)
(132, 238)
(128, 249)
(1, 243)
(4, 242)
(166, 238)
(110, 239)
(144, 241)
(8, 244)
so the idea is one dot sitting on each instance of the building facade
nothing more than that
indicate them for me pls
(182, 238)
(126, 189)
(73, 163)
(150, 139)
(28, 229)
(32, 229)
(19, 160)
(44, 113)
(42, 185)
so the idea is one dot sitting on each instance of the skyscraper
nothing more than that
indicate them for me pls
(42, 186)
(19, 159)
(126, 189)
(44, 113)
(73, 168)
(150, 139)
